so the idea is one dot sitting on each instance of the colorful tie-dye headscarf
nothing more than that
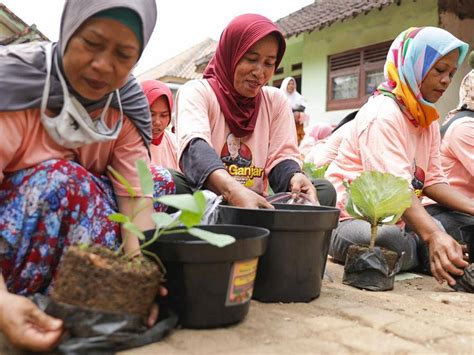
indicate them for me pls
(410, 57)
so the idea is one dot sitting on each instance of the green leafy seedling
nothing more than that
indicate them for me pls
(378, 198)
(313, 171)
(192, 208)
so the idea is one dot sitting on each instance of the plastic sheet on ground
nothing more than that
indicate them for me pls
(92, 332)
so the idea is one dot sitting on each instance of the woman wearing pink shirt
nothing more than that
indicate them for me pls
(457, 157)
(232, 108)
(53, 158)
(397, 132)
(163, 144)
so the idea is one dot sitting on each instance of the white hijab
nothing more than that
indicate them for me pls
(295, 98)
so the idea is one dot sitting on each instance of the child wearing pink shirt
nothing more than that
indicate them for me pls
(396, 131)
(163, 148)
(457, 157)
(236, 136)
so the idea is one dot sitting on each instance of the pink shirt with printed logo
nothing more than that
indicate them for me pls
(457, 155)
(273, 140)
(383, 139)
(26, 144)
(165, 154)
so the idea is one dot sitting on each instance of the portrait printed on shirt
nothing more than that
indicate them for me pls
(418, 181)
(237, 158)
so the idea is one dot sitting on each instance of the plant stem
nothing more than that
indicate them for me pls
(156, 258)
(373, 236)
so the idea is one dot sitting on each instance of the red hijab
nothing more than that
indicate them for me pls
(240, 34)
(154, 89)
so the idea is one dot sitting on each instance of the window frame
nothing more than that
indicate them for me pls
(360, 69)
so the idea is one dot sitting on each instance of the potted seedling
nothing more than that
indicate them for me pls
(377, 198)
(95, 277)
(205, 265)
(116, 290)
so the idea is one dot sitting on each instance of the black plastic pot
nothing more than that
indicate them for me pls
(293, 266)
(467, 235)
(209, 286)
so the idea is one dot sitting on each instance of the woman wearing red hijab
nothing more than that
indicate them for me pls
(232, 99)
(163, 143)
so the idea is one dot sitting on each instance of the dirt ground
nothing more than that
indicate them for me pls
(418, 316)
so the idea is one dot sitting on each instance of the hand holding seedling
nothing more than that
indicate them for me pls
(26, 326)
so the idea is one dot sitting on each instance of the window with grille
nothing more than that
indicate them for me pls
(354, 75)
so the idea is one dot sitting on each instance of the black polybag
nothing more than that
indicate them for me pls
(465, 283)
(370, 271)
(93, 332)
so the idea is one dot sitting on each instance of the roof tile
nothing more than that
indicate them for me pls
(182, 65)
(323, 13)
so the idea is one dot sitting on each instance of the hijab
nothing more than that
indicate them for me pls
(23, 66)
(410, 57)
(296, 99)
(153, 90)
(466, 95)
(240, 34)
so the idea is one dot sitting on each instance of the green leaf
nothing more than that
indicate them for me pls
(378, 198)
(131, 191)
(218, 240)
(134, 229)
(146, 179)
(184, 202)
(200, 201)
(161, 219)
(313, 171)
(119, 218)
(190, 219)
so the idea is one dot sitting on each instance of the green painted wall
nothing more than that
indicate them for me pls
(363, 30)
(293, 55)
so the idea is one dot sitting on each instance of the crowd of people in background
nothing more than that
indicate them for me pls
(70, 109)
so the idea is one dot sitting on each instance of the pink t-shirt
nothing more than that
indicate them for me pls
(26, 143)
(382, 139)
(457, 155)
(249, 159)
(165, 154)
(326, 151)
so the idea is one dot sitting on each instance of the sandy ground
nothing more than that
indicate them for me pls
(418, 316)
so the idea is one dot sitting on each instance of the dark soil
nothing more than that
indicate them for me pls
(391, 257)
(96, 278)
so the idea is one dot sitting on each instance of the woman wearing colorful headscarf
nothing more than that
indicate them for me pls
(232, 101)
(457, 157)
(298, 106)
(67, 111)
(397, 132)
(163, 148)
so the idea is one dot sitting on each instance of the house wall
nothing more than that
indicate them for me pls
(363, 30)
(464, 30)
(293, 55)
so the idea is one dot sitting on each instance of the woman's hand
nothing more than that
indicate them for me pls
(241, 196)
(220, 182)
(26, 326)
(446, 257)
(300, 183)
(155, 310)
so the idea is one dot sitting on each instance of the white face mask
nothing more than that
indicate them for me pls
(73, 127)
